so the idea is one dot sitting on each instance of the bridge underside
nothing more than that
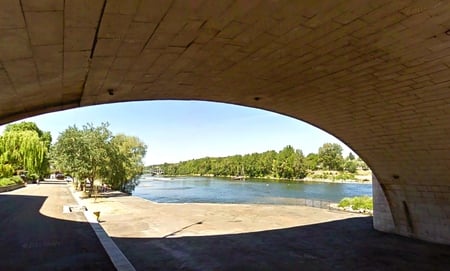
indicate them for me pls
(373, 73)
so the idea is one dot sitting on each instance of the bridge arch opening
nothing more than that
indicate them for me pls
(392, 181)
(178, 131)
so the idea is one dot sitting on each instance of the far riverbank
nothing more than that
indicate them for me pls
(319, 176)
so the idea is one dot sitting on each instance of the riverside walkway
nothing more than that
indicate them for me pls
(37, 235)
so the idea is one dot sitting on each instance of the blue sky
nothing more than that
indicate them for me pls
(181, 130)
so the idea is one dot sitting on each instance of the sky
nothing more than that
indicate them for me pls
(176, 131)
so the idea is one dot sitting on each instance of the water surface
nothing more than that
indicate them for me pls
(223, 190)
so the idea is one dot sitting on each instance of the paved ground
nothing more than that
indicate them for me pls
(257, 237)
(35, 234)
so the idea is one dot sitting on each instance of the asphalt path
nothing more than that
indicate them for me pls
(35, 233)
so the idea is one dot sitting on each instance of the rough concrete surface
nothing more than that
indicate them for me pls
(256, 237)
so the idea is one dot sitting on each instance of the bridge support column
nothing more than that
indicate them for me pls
(412, 210)
(382, 216)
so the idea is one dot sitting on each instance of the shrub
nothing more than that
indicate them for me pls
(333, 175)
(6, 171)
(10, 181)
(345, 176)
(33, 176)
(345, 202)
(323, 175)
(357, 203)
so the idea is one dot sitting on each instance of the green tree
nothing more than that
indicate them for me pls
(350, 156)
(361, 164)
(330, 156)
(350, 165)
(125, 161)
(312, 161)
(94, 153)
(287, 164)
(23, 146)
(83, 152)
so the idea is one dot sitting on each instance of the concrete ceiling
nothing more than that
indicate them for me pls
(373, 73)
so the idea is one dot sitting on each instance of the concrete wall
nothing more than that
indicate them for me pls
(416, 211)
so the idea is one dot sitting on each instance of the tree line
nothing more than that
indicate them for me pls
(289, 163)
(94, 153)
(87, 153)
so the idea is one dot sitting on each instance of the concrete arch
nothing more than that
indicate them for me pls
(376, 75)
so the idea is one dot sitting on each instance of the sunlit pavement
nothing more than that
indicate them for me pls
(256, 237)
(36, 233)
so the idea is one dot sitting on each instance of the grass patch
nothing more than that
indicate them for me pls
(345, 176)
(333, 175)
(10, 181)
(357, 203)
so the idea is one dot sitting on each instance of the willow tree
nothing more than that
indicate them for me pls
(125, 161)
(23, 150)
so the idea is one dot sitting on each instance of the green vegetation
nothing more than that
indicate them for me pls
(288, 163)
(330, 156)
(93, 153)
(10, 181)
(24, 148)
(333, 175)
(357, 203)
(89, 153)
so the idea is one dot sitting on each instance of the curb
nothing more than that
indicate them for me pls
(117, 257)
(11, 187)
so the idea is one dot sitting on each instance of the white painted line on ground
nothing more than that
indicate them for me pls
(119, 260)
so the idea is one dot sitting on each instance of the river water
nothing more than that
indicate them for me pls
(223, 190)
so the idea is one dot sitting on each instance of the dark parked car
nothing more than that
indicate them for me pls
(59, 176)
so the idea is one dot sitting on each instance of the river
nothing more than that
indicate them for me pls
(223, 190)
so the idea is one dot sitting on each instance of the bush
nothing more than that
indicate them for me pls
(345, 202)
(10, 181)
(6, 171)
(345, 176)
(33, 176)
(329, 175)
(357, 203)
(323, 175)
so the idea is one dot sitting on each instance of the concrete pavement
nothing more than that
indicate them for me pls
(256, 237)
(35, 233)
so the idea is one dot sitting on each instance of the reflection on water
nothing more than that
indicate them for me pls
(222, 190)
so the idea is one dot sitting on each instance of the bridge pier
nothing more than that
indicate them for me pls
(382, 216)
(417, 211)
